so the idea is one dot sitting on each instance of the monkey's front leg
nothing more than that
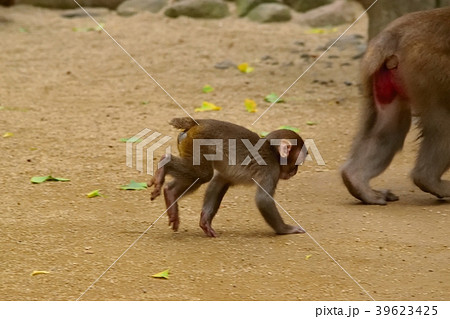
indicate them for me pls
(268, 209)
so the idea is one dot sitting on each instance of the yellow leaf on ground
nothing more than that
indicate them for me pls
(206, 106)
(94, 193)
(250, 105)
(307, 257)
(245, 68)
(163, 274)
(321, 30)
(8, 134)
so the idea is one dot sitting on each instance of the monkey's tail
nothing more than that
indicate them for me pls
(183, 123)
(379, 50)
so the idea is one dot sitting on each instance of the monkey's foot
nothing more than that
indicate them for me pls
(209, 231)
(439, 189)
(174, 220)
(157, 181)
(388, 195)
(157, 190)
(378, 197)
(289, 229)
(362, 191)
(206, 226)
(375, 197)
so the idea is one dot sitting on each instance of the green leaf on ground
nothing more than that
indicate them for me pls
(13, 108)
(41, 179)
(163, 274)
(290, 128)
(207, 88)
(263, 134)
(134, 186)
(272, 97)
(310, 123)
(130, 139)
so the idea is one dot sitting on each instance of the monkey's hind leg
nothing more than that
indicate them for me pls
(158, 180)
(434, 155)
(213, 197)
(172, 193)
(382, 136)
(186, 179)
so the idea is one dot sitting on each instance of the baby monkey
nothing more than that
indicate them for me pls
(226, 154)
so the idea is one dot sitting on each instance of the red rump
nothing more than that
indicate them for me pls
(385, 89)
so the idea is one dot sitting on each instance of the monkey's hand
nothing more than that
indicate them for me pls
(289, 229)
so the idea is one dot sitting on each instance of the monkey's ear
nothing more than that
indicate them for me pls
(284, 148)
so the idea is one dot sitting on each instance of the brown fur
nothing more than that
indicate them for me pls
(221, 175)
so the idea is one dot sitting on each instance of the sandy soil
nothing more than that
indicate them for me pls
(68, 97)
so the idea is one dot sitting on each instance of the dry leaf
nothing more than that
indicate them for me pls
(39, 272)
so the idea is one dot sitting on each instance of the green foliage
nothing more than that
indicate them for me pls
(41, 179)
(134, 186)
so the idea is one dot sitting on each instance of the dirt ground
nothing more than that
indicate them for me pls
(69, 97)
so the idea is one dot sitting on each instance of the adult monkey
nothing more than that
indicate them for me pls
(405, 71)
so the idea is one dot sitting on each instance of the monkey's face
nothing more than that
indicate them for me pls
(290, 169)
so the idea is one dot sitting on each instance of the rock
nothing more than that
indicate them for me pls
(225, 65)
(70, 4)
(209, 9)
(131, 7)
(4, 20)
(76, 13)
(336, 13)
(245, 6)
(270, 12)
(347, 41)
(306, 5)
